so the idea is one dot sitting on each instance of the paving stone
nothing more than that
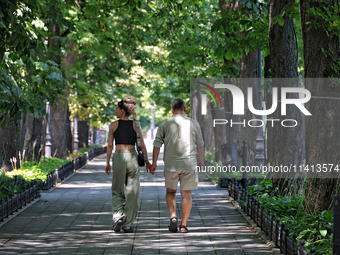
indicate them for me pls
(75, 218)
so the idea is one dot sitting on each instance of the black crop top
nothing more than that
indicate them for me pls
(125, 134)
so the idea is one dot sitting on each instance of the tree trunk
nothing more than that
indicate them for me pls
(230, 154)
(32, 138)
(286, 144)
(59, 129)
(248, 69)
(69, 132)
(322, 145)
(220, 135)
(93, 131)
(70, 60)
(233, 133)
(9, 144)
(83, 133)
(59, 118)
(55, 30)
(282, 44)
(205, 121)
(267, 95)
(322, 128)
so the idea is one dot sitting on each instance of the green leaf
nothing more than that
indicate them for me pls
(43, 66)
(302, 233)
(217, 24)
(55, 76)
(2, 24)
(244, 22)
(323, 232)
(37, 80)
(281, 21)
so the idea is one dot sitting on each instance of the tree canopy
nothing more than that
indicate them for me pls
(149, 49)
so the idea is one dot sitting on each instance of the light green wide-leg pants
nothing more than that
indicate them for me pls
(125, 187)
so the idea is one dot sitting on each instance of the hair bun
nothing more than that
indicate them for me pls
(130, 100)
(128, 105)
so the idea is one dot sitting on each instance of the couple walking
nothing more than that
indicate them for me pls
(181, 137)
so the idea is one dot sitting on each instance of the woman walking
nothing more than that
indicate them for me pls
(125, 169)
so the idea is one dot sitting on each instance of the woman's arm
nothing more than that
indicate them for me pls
(144, 147)
(109, 149)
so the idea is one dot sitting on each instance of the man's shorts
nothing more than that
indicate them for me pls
(188, 179)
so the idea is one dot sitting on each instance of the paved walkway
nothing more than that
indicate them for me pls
(75, 218)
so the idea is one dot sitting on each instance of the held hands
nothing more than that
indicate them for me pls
(153, 168)
(107, 168)
(150, 168)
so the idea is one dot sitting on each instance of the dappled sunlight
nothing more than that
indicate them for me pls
(94, 163)
(202, 197)
(153, 179)
(58, 240)
(90, 171)
(76, 218)
(204, 185)
(85, 185)
(152, 184)
(82, 214)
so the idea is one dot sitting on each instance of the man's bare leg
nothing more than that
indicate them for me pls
(171, 201)
(186, 206)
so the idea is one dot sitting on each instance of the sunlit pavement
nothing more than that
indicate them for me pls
(75, 218)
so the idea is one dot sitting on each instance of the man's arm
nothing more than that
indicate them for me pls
(157, 144)
(155, 154)
(144, 148)
(200, 153)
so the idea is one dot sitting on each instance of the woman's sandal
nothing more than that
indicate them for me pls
(118, 225)
(185, 229)
(173, 224)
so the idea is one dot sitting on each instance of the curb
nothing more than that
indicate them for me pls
(265, 238)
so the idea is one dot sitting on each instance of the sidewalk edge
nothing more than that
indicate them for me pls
(68, 177)
(270, 244)
(265, 238)
(15, 214)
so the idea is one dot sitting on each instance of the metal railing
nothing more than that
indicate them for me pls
(336, 226)
(266, 220)
(14, 202)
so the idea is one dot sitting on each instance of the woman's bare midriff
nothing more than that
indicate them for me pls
(125, 147)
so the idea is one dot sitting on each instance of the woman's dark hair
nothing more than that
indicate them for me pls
(178, 104)
(128, 105)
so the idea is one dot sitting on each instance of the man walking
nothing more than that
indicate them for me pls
(181, 137)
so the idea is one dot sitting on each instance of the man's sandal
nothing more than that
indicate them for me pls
(173, 224)
(185, 229)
